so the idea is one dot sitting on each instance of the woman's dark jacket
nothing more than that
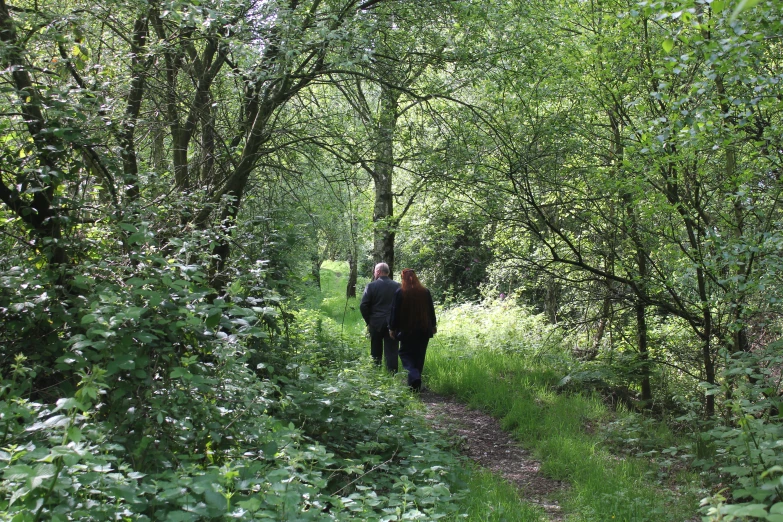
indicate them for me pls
(396, 313)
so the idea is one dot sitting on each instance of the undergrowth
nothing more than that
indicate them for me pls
(502, 359)
(481, 496)
(171, 404)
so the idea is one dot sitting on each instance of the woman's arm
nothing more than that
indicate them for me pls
(433, 319)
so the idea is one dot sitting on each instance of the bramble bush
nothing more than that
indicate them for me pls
(138, 393)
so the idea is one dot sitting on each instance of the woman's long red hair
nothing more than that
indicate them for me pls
(414, 313)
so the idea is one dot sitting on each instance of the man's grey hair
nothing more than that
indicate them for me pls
(382, 268)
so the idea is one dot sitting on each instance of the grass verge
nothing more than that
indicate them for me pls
(485, 497)
(504, 361)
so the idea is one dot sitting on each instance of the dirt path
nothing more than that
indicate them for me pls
(481, 439)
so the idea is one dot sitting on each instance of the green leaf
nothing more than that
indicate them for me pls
(68, 404)
(18, 472)
(747, 510)
(668, 45)
(121, 362)
(252, 504)
(19, 493)
(269, 449)
(181, 373)
(744, 5)
(137, 237)
(43, 473)
(81, 344)
(771, 471)
(20, 307)
(145, 337)
(156, 298)
(213, 320)
(74, 434)
(135, 312)
(215, 500)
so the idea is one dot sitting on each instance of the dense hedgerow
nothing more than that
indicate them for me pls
(139, 394)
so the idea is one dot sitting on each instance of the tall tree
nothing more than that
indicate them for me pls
(646, 149)
(407, 43)
(214, 75)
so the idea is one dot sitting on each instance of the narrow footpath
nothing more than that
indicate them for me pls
(480, 438)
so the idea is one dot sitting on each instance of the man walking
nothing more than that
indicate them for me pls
(375, 308)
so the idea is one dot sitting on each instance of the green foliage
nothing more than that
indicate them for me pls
(185, 406)
(212, 455)
(519, 386)
(745, 450)
(156, 409)
(502, 326)
(387, 458)
(448, 249)
(33, 318)
(590, 159)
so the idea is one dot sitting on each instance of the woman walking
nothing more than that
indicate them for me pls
(412, 322)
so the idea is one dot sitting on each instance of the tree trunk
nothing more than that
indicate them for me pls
(552, 299)
(44, 220)
(315, 269)
(133, 107)
(606, 310)
(208, 148)
(632, 229)
(641, 314)
(383, 213)
(353, 275)
(740, 335)
(641, 339)
(709, 364)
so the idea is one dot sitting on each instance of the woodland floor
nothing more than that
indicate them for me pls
(480, 438)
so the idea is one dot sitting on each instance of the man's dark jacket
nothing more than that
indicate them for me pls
(377, 302)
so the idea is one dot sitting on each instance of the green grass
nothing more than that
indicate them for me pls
(487, 497)
(500, 360)
(333, 303)
(492, 499)
(506, 361)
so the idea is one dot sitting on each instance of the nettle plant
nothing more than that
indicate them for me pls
(746, 451)
(59, 462)
(150, 381)
(161, 404)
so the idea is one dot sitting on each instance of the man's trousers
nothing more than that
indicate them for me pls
(382, 344)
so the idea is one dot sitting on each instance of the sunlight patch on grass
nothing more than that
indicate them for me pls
(492, 499)
(333, 302)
